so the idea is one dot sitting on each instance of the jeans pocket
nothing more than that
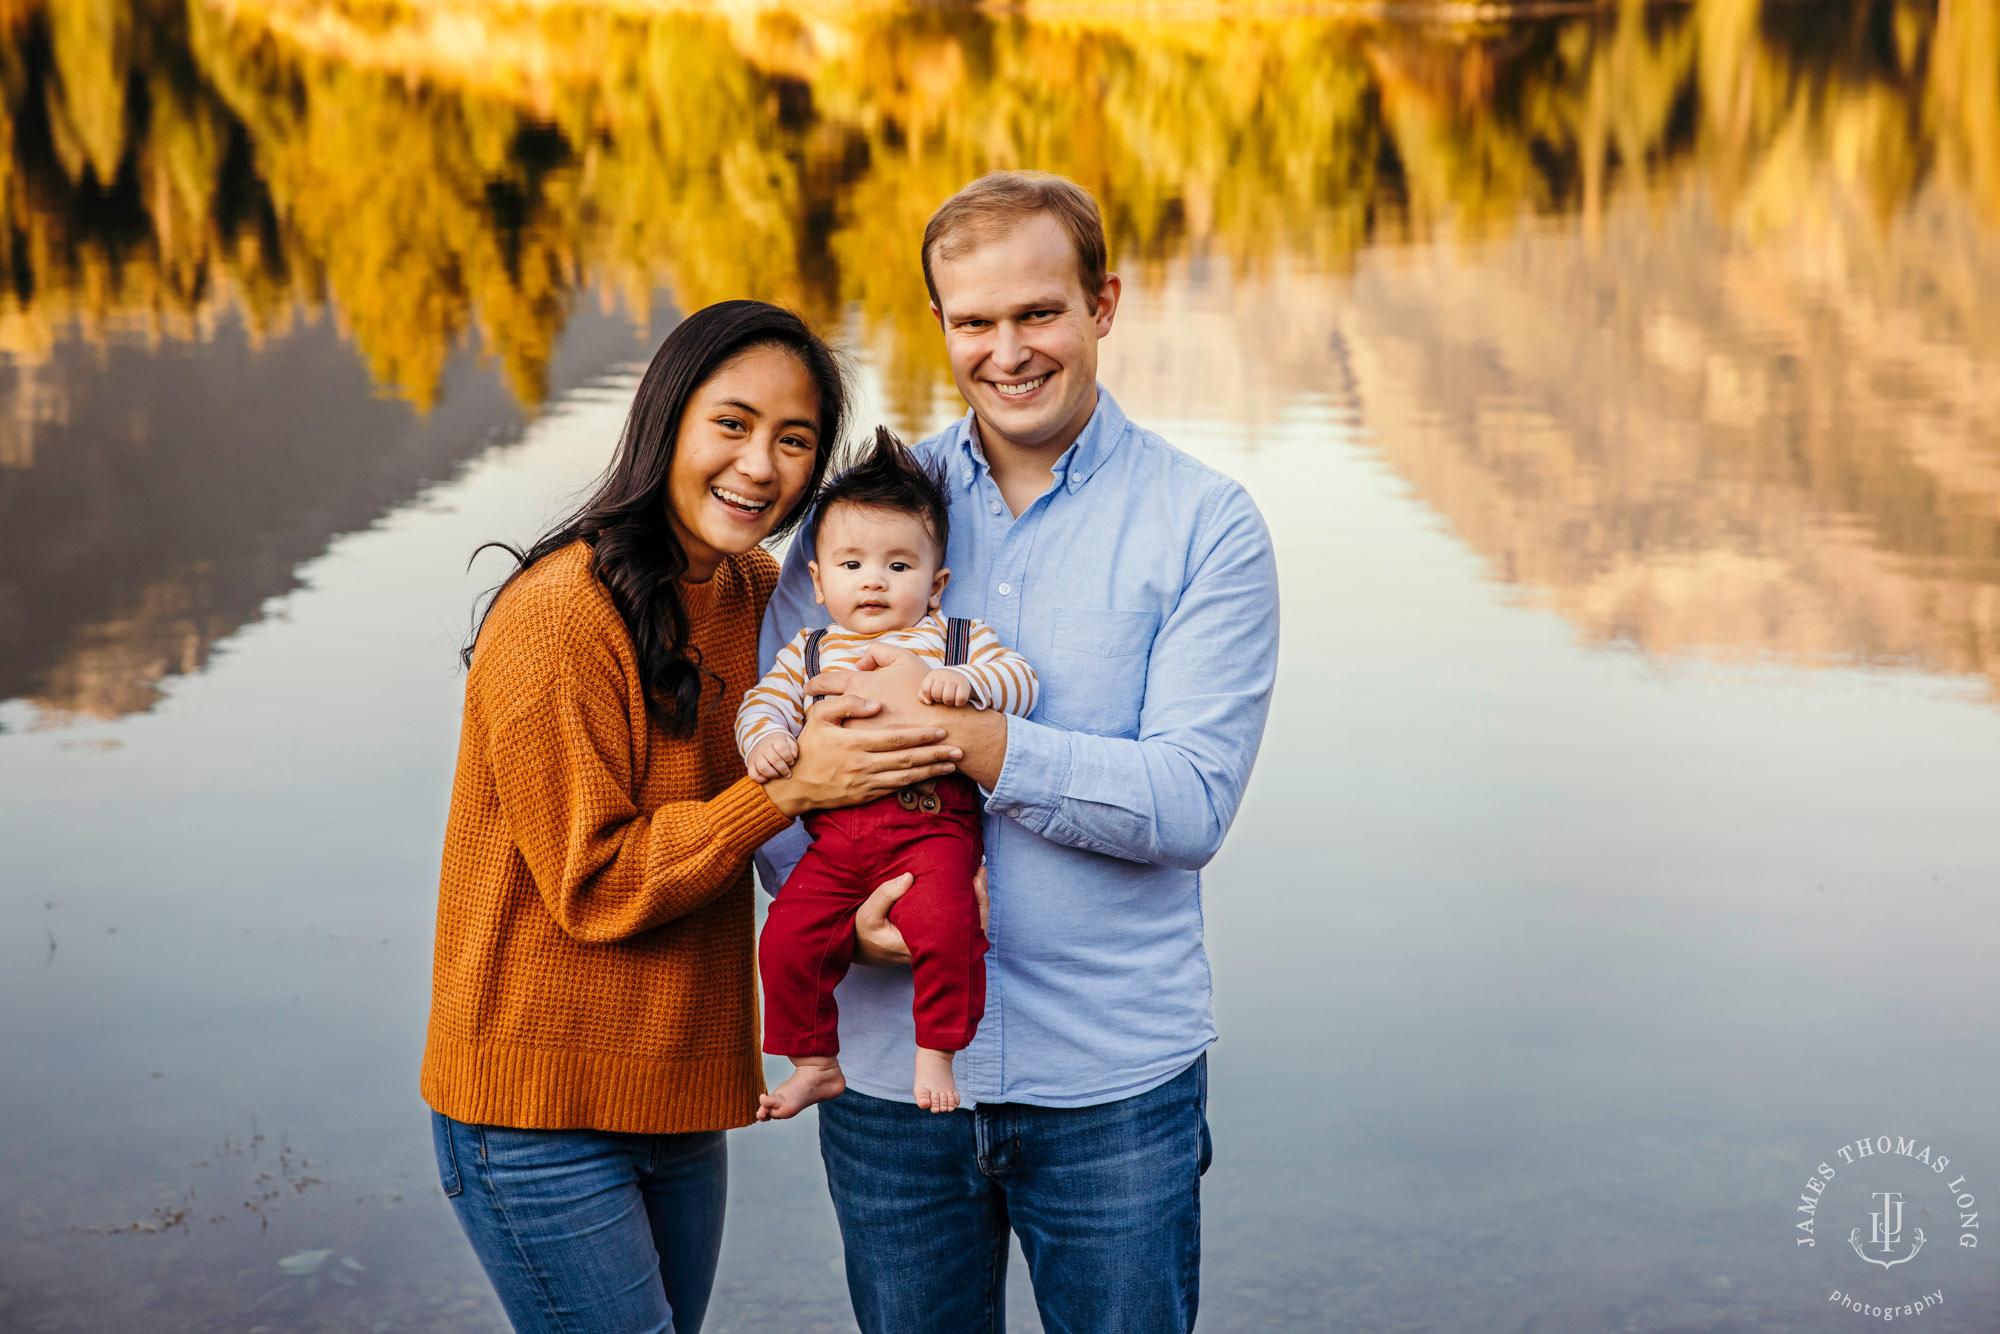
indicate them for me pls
(447, 1153)
(1207, 1153)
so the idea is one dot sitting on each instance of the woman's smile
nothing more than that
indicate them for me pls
(736, 500)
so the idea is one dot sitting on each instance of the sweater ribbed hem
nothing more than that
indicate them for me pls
(531, 1088)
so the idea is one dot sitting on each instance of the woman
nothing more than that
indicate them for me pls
(593, 1022)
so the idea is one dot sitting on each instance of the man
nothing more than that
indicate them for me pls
(1141, 585)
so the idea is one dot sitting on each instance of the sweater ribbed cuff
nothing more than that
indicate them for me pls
(744, 817)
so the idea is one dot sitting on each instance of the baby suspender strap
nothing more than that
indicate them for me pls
(812, 653)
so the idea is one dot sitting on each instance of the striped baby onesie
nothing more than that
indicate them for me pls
(1001, 678)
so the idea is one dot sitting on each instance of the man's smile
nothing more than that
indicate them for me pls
(1020, 388)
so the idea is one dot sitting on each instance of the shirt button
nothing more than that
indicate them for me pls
(994, 508)
(1005, 589)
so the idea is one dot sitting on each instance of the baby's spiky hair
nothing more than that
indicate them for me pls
(888, 476)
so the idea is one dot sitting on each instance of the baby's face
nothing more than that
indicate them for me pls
(877, 569)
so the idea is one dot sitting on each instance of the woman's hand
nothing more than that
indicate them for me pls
(842, 766)
(876, 939)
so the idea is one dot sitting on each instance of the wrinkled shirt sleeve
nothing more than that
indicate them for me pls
(1168, 797)
(790, 610)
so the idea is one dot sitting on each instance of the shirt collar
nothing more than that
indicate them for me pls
(1084, 457)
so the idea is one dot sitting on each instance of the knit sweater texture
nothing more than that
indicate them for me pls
(595, 964)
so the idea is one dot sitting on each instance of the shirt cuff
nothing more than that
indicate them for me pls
(1034, 775)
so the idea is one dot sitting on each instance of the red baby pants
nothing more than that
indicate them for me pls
(808, 938)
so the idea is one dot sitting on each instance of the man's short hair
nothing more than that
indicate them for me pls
(887, 476)
(1000, 199)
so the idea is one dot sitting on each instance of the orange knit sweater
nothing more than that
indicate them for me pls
(595, 966)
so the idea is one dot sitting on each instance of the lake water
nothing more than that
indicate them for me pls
(1622, 388)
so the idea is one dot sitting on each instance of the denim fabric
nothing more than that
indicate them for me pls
(583, 1231)
(1106, 1201)
(1143, 588)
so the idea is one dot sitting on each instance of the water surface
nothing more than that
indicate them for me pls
(1619, 388)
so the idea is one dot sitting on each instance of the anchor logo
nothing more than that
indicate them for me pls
(1887, 1232)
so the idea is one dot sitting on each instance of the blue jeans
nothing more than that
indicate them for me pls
(1106, 1201)
(583, 1231)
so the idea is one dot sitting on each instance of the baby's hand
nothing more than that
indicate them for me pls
(772, 757)
(945, 687)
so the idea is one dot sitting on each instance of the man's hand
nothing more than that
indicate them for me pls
(893, 678)
(876, 939)
(772, 757)
(944, 686)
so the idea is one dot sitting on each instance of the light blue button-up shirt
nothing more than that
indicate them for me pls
(1143, 588)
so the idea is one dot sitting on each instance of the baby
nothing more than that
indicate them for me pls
(879, 536)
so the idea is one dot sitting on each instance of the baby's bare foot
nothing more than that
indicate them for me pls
(937, 1091)
(814, 1079)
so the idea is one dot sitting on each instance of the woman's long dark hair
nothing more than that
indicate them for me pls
(634, 551)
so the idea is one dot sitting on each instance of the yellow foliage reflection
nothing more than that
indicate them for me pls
(427, 170)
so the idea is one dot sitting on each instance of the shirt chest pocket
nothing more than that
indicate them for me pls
(1095, 679)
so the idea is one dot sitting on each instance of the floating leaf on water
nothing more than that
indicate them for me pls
(353, 1263)
(304, 1262)
(340, 1276)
